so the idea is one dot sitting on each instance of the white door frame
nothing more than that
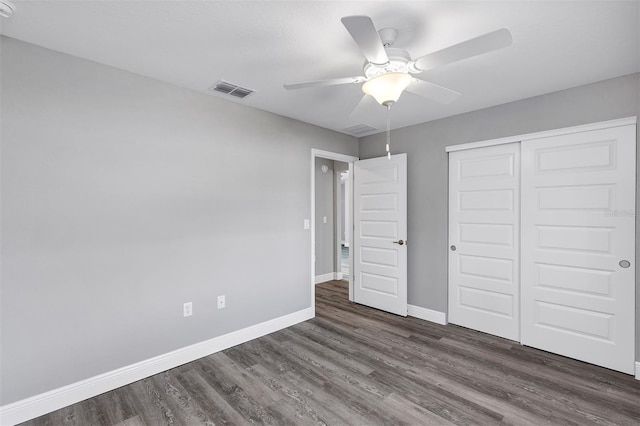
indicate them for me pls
(318, 153)
(339, 198)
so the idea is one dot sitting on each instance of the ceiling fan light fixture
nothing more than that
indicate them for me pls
(387, 88)
(6, 8)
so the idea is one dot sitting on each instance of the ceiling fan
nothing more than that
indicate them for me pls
(388, 71)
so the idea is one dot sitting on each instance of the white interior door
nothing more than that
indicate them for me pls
(380, 249)
(484, 239)
(578, 246)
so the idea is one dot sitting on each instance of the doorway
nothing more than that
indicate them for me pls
(329, 224)
(331, 221)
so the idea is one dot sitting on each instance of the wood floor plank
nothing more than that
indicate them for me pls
(238, 376)
(154, 404)
(133, 421)
(326, 352)
(241, 399)
(569, 393)
(216, 407)
(93, 412)
(354, 365)
(335, 372)
(301, 405)
(185, 408)
(356, 394)
(295, 384)
(117, 406)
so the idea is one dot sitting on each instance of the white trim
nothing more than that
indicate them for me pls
(325, 277)
(337, 224)
(333, 155)
(637, 370)
(427, 314)
(350, 228)
(544, 134)
(328, 277)
(47, 402)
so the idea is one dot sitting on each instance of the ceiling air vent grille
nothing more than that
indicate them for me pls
(359, 130)
(231, 89)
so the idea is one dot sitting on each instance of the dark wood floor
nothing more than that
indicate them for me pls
(353, 365)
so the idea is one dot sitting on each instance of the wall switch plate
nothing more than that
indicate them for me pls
(324, 219)
(307, 224)
(187, 309)
(221, 302)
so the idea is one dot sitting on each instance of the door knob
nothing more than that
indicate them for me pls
(399, 242)
(624, 263)
(453, 248)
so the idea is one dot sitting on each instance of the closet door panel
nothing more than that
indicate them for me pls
(578, 224)
(484, 239)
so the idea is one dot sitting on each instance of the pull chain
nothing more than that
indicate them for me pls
(389, 131)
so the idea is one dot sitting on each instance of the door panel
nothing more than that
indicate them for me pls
(578, 222)
(486, 200)
(483, 226)
(380, 213)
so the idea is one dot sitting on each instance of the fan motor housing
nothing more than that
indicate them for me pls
(398, 62)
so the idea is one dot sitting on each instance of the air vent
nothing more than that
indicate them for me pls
(359, 130)
(231, 89)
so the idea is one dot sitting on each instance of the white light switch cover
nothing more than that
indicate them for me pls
(187, 309)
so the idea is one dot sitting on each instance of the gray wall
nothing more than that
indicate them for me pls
(122, 198)
(325, 235)
(428, 173)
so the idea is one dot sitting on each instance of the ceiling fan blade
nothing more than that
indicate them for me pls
(363, 106)
(321, 83)
(367, 38)
(432, 91)
(473, 47)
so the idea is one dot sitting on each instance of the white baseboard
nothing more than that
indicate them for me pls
(637, 370)
(338, 275)
(47, 402)
(325, 277)
(427, 314)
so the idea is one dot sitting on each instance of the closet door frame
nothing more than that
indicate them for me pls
(558, 132)
(547, 133)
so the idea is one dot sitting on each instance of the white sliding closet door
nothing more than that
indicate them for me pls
(484, 211)
(578, 252)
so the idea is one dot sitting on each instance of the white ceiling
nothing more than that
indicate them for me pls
(263, 44)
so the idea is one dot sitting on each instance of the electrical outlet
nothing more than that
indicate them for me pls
(324, 219)
(221, 302)
(187, 309)
(307, 224)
